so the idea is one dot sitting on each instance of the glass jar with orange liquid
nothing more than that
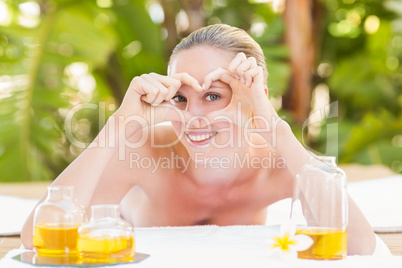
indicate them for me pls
(56, 222)
(106, 237)
(320, 208)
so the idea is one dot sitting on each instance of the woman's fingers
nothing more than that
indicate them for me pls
(187, 79)
(240, 57)
(174, 82)
(244, 67)
(240, 65)
(218, 74)
(170, 86)
(158, 88)
(254, 75)
(154, 89)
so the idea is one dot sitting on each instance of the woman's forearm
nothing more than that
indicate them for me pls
(86, 170)
(279, 135)
(361, 239)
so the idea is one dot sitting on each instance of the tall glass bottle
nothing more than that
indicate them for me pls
(106, 237)
(56, 222)
(320, 208)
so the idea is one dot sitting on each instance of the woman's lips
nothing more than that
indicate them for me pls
(200, 138)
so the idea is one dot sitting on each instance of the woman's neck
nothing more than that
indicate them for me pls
(231, 167)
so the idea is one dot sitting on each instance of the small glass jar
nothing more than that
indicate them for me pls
(56, 222)
(320, 208)
(106, 237)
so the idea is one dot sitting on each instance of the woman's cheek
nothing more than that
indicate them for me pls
(226, 137)
(222, 140)
(178, 128)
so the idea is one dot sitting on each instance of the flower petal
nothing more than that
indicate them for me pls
(288, 254)
(303, 242)
(272, 243)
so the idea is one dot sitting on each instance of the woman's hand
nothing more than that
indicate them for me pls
(249, 107)
(147, 100)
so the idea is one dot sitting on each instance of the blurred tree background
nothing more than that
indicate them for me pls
(335, 71)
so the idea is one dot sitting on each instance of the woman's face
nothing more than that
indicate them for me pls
(201, 135)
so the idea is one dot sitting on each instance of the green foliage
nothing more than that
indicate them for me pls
(373, 129)
(51, 65)
(85, 53)
(363, 44)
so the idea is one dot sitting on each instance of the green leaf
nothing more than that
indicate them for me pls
(372, 128)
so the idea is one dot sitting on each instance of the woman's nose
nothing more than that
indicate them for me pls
(198, 112)
(195, 107)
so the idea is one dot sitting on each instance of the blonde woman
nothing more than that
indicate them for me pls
(224, 158)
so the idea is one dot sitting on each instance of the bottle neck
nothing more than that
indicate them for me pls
(105, 211)
(60, 192)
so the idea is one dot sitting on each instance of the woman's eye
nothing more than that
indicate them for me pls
(179, 98)
(211, 97)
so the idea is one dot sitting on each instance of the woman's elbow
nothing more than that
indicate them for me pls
(27, 236)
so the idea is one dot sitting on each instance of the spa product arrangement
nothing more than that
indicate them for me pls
(320, 208)
(63, 236)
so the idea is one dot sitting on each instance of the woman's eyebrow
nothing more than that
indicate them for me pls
(219, 84)
(178, 92)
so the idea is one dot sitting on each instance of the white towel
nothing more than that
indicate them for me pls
(213, 246)
(14, 211)
(379, 199)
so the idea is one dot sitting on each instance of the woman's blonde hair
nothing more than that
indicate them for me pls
(227, 38)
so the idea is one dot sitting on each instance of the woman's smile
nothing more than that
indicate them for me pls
(199, 138)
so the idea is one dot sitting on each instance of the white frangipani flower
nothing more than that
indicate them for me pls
(287, 244)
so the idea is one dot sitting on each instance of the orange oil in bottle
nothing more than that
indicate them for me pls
(329, 243)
